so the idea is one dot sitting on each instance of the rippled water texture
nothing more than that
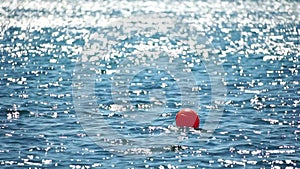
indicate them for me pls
(257, 46)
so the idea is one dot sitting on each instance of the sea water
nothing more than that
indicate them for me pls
(43, 44)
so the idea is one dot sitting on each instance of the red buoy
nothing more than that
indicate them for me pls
(187, 118)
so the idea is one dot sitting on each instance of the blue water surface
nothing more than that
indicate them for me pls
(257, 43)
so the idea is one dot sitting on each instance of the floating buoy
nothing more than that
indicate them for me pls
(187, 118)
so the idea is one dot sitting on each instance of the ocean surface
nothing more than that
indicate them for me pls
(70, 99)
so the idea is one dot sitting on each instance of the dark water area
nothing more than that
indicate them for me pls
(257, 43)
